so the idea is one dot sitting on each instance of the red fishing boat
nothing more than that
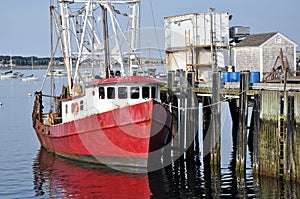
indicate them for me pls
(110, 120)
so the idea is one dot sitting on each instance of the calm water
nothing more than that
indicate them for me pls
(26, 171)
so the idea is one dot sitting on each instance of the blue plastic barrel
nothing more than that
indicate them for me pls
(254, 77)
(225, 76)
(235, 77)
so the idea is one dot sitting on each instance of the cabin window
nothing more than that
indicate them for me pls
(111, 92)
(72, 108)
(66, 108)
(145, 92)
(81, 105)
(93, 93)
(101, 93)
(135, 92)
(122, 92)
(153, 92)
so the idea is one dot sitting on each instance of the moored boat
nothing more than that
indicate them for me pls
(29, 78)
(11, 74)
(117, 121)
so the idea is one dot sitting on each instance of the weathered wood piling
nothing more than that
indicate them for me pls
(242, 129)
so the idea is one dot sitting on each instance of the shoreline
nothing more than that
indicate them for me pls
(27, 67)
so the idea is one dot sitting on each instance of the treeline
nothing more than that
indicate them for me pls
(27, 61)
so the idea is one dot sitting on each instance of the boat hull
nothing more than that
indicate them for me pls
(121, 137)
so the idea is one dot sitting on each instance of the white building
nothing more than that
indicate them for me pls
(188, 40)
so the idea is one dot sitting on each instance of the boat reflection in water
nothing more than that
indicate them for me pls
(59, 178)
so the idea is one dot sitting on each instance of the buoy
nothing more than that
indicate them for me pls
(29, 94)
(0, 103)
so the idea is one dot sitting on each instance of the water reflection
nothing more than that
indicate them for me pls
(57, 178)
(185, 178)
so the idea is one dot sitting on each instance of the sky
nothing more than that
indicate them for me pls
(25, 23)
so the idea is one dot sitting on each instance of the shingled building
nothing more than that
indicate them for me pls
(258, 52)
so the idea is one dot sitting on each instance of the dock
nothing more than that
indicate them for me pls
(273, 136)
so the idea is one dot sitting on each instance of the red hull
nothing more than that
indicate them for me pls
(123, 136)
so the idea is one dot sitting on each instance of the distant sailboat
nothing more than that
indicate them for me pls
(11, 74)
(30, 78)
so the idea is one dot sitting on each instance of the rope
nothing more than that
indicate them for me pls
(210, 105)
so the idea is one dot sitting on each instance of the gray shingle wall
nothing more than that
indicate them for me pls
(247, 58)
(271, 50)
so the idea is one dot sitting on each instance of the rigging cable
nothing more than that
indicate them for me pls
(154, 24)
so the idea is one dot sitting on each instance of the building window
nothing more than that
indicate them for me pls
(122, 92)
(278, 40)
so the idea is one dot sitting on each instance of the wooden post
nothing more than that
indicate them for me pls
(255, 130)
(290, 163)
(234, 111)
(216, 121)
(243, 116)
(190, 130)
(182, 131)
(171, 77)
(170, 99)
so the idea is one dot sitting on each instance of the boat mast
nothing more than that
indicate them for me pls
(51, 62)
(11, 62)
(105, 41)
(66, 42)
(88, 8)
(134, 26)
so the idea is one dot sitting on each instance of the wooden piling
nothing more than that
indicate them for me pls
(171, 78)
(290, 152)
(190, 115)
(234, 111)
(242, 130)
(216, 121)
(182, 131)
(255, 129)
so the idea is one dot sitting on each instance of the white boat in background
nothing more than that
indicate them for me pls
(11, 74)
(57, 73)
(29, 78)
(8, 75)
